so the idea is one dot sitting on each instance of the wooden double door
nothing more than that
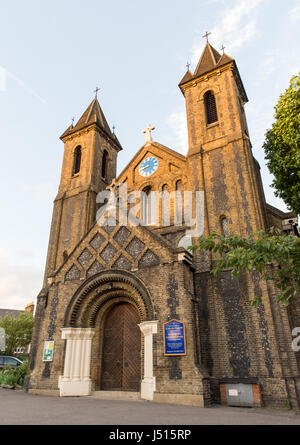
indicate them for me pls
(121, 359)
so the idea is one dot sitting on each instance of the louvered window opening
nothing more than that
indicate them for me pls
(104, 164)
(77, 160)
(210, 107)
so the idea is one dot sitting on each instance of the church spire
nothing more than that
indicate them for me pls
(210, 61)
(93, 115)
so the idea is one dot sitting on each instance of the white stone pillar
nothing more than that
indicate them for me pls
(148, 386)
(76, 380)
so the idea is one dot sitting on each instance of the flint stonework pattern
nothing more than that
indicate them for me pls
(237, 345)
(135, 247)
(73, 273)
(122, 263)
(149, 259)
(122, 236)
(85, 258)
(108, 253)
(97, 241)
(94, 269)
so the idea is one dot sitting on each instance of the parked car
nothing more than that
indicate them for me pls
(9, 361)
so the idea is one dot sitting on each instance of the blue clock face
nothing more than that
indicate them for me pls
(148, 166)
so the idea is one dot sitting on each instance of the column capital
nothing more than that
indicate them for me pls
(148, 327)
(77, 333)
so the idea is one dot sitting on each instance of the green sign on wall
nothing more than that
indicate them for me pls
(48, 351)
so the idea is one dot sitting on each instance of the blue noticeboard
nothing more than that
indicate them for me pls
(174, 338)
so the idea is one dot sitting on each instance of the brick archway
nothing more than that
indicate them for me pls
(89, 300)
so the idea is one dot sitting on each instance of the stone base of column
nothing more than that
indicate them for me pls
(148, 387)
(71, 387)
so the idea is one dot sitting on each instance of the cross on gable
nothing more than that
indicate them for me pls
(96, 91)
(148, 131)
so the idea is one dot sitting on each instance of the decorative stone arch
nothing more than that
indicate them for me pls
(177, 178)
(145, 185)
(96, 291)
(210, 87)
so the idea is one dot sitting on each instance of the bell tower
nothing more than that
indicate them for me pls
(220, 153)
(89, 166)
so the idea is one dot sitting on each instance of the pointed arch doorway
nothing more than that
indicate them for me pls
(121, 354)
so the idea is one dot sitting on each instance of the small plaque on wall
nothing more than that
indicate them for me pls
(174, 338)
(48, 351)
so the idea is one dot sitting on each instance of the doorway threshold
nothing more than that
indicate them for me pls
(116, 395)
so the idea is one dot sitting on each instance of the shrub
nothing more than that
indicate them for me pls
(13, 376)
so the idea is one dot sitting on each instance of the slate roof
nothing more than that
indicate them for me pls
(211, 60)
(13, 313)
(92, 115)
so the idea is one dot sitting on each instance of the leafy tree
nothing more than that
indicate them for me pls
(18, 331)
(255, 254)
(282, 146)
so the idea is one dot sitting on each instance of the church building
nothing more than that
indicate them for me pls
(127, 307)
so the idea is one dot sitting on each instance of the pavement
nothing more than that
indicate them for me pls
(20, 408)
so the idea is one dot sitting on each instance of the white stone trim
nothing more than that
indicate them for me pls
(76, 379)
(148, 385)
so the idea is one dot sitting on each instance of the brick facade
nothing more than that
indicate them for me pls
(90, 268)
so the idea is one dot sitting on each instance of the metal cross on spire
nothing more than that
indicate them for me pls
(223, 48)
(73, 119)
(96, 91)
(148, 131)
(206, 35)
(188, 65)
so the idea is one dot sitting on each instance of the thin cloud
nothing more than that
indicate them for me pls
(235, 26)
(294, 14)
(5, 74)
(178, 138)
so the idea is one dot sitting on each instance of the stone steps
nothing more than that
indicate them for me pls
(116, 395)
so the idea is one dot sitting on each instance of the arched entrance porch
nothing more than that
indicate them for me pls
(104, 345)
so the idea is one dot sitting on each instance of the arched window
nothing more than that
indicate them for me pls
(210, 107)
(178, 217)
(224, 226)
(104, 164)
(146, 206)
(165, 206)
(77, 160)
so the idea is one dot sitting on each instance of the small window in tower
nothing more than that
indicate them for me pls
(210, 107)
(77, 160)
(224, 226)
(104, 164)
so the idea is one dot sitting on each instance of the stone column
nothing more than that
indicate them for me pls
(76, 379)
(148, 386)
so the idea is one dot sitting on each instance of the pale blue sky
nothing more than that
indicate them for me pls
(54, 54)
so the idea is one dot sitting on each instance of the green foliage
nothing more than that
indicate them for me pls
(13, 376)
(18, 331)
(282, 147)
(255, 254)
